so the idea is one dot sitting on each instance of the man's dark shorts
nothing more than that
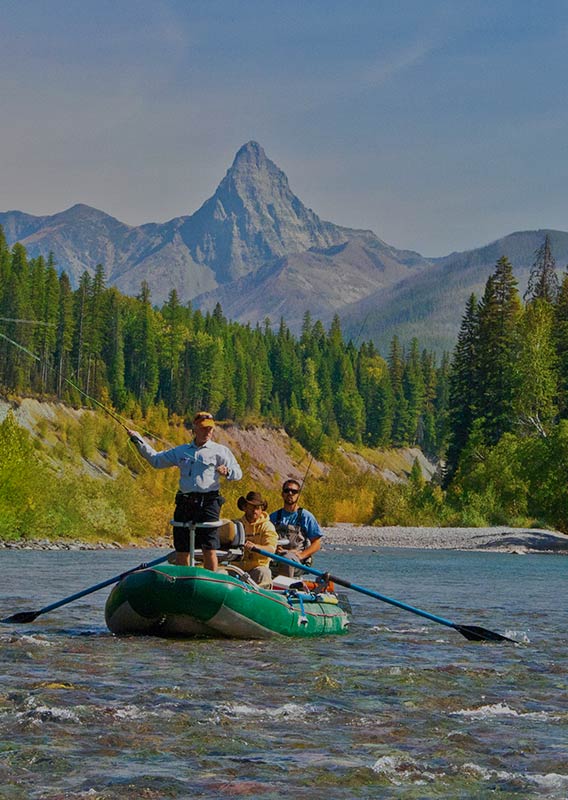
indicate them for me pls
(197, 507)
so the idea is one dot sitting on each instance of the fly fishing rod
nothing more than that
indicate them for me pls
(116, 417)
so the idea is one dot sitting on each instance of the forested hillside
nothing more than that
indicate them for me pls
(508, 448)
(122, 351)
(429, 304)
(497, 414)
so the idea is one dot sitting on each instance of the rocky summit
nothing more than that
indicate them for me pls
(254, 225)
(253, 218)
(258, 250)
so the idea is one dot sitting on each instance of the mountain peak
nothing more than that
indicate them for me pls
(250, 152)
(253, 218)
(80, 212)
(252, 169)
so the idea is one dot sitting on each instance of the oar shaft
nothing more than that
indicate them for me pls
(348, 585)
(98, 586)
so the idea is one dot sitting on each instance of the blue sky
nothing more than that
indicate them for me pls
(441, 125)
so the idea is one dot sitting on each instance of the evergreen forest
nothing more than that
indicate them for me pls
(494, 413)
(122, 351)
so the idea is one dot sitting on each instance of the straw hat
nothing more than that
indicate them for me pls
(254, 499)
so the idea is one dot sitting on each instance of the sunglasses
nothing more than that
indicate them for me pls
(290, 491)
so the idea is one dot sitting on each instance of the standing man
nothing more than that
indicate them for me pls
(296, 525)
(201, 465)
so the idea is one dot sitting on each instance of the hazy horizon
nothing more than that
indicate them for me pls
(439, 126)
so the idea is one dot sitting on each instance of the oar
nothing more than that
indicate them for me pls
(29, 616)
(472, 632)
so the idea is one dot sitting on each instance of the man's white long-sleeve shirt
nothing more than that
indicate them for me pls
(197, 465)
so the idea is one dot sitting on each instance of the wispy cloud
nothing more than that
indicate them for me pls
(384, 69)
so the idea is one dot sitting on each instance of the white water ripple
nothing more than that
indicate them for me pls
(38, 714)
(292, 712)
(503, 710)
(400, 770)
(552, 781)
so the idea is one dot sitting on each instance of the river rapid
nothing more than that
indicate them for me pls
(400, 707)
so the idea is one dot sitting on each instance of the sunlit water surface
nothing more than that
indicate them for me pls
(398, 708)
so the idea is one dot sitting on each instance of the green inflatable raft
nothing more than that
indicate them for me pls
(169, 600)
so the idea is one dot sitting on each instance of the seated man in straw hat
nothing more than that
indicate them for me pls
(259, 532)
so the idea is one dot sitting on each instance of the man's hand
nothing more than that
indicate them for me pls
(222, 469)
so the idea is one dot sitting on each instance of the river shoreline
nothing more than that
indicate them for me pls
(503, 539)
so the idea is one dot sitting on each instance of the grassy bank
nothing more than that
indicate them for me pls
(73, 474)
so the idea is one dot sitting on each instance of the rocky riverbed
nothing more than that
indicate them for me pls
(498, 539)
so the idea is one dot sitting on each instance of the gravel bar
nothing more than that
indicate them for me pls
(498, 539)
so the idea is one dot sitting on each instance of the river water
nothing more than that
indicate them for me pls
(398, 708)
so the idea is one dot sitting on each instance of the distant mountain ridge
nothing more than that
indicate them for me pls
(253, 246)
(322, 281)
(432, 304)
(252, 219)
(259, 251)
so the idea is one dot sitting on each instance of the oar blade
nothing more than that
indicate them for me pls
(472, 632)
(21, 616)
(29, 616)
(477, 634)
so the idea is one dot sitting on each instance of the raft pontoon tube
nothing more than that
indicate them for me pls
(170, 600)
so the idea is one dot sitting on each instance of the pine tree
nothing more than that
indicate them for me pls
(176, 332)
(18, 306)
(400, 425)
(499, 313)
(427, 438)
(96, 329)
(65, 332)
(113, 349)
(560, 330)
(5, 264)
(375, 388)
(81, 314)
(536, 369)
(414, 393)
(348, 403)
(240, 381)
(463, 384)
(543, 280)
(442, 405)
(311, 392)
(141, 351)
(48, 330)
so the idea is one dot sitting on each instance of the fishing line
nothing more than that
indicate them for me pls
(28, 321)
(74, 385)
(116, 417)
